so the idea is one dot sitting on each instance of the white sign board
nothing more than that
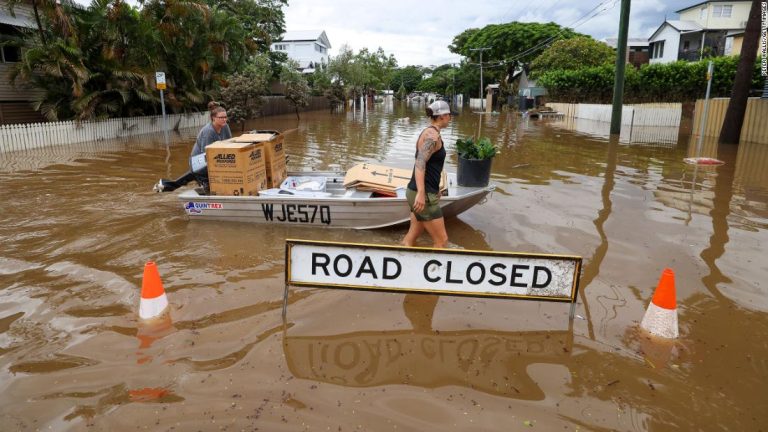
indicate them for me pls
(435, 271)
(160, 80)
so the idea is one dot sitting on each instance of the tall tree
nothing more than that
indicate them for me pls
(734, 116)
(297, 90)
(242, 91)
(575, 53)
(510, 44)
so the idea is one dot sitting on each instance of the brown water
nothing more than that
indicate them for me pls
(78, 224)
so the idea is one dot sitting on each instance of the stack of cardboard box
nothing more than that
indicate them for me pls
(275, 164)
(246, 164)
(382, 180)
(236, 168)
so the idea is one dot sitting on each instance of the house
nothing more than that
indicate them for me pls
(308, 47)
(529, 94)
(15, 100)
(709, 28)
(637, 50)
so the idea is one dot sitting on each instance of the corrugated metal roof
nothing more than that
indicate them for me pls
(306, 35)
(17, 21)
(683, 25)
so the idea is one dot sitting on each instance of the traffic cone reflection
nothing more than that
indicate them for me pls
(150, 331)
(153, 299)
(661, 317)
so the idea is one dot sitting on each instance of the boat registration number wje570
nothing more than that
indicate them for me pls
(297, 213)
(281, 213)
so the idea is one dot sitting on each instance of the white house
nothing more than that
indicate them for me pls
(706, 28)
(308, 47)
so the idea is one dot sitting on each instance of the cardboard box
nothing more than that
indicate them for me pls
(275, 164)
(236, 168)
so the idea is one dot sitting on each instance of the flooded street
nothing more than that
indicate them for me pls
(79, 223)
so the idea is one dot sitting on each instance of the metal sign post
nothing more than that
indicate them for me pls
(698, 159)
(710, 68)
(160, 83)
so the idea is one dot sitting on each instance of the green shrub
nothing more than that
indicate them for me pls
(670, 82)
(482, 149)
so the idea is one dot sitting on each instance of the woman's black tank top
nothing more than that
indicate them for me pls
(434, 167)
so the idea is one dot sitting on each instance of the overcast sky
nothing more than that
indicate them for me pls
(419, 32)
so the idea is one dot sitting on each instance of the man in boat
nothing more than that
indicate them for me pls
(216, 130)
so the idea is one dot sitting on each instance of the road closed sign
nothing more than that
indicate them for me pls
(433, 271)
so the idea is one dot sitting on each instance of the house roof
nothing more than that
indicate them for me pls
(306, 35)
(705, 2)
(18, 21)
(685, 25)
(679, 25)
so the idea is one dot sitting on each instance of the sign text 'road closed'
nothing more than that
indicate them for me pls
(439, 271)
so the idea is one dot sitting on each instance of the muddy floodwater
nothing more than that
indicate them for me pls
(78, 224)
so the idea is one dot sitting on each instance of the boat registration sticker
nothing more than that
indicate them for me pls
(198, 207)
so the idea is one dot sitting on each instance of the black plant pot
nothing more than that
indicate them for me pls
(473, 172)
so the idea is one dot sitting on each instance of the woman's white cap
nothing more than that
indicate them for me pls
(439, 108)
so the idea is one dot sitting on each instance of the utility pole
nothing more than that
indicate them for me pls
(621, 62)
(482, 97)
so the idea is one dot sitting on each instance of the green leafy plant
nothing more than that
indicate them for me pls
(469, 148)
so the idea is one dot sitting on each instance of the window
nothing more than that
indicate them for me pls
(319, 48)
(686, 45)
(9, 54)
(657, 51)
(703, 13)
(728, 46)
(722, 11)
(281, 47)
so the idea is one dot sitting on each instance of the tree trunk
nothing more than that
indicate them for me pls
(734, 116)
(39, 23)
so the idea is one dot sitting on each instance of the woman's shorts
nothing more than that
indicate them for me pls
(431, 210)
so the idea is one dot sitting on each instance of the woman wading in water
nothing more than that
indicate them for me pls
(423, 190)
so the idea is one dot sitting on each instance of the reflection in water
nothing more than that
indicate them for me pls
(723, 193)
(489, 361)
(592, 268)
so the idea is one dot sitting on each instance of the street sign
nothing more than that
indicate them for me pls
(160, 80)
(432, 271)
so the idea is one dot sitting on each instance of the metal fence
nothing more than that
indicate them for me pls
(754, 127)
(655, 114)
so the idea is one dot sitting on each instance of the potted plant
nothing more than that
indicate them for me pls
(475, 158)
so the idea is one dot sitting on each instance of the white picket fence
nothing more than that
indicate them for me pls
(656, 114)
(36, 135)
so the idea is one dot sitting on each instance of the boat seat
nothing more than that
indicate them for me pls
(354, 193)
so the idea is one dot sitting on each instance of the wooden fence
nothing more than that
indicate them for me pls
(37, 135)
(657, 115)
(754, 128)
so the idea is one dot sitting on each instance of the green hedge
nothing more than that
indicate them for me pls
(670, 82)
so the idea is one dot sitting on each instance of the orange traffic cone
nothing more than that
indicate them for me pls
(153, 300)
(661, 317)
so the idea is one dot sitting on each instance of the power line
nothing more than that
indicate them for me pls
(545, 43)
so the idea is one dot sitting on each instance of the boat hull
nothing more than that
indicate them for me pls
(325, 212)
